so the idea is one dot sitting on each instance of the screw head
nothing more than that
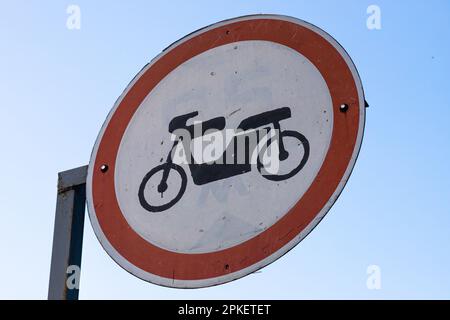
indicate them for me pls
(343, 107)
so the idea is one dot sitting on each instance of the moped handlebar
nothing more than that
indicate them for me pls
(262, 119)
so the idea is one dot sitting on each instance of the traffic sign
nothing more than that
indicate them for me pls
(225, 151)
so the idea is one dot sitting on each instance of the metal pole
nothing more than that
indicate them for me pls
(68, 235)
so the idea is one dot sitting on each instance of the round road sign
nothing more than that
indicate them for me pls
(225, 151)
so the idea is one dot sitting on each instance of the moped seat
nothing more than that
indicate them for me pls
(180, 123)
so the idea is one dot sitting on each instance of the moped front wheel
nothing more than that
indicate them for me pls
(298, 141)
(146, 189)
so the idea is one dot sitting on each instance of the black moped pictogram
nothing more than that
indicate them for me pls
(203, 173)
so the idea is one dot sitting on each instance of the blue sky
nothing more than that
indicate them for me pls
(57, 86)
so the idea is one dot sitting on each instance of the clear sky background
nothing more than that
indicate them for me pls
(57, 86)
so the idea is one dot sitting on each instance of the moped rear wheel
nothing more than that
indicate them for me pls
(302, 142)
(162, 207)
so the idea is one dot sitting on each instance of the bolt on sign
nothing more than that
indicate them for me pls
(225, 151)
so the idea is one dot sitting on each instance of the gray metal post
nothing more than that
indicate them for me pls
(68, 233)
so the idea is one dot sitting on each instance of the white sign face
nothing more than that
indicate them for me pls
(234, 82)
(225, 151)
